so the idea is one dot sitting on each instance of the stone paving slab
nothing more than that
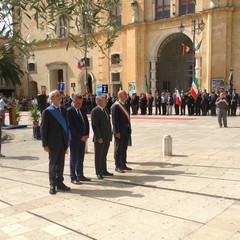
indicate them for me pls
(191, 195)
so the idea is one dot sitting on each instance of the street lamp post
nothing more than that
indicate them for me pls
(198, 27)
(27, 58)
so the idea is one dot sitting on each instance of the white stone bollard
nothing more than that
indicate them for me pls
(167, 145)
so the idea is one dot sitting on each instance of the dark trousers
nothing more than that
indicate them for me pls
(56, 165)
(150, 110)
(213, 110)
(120, 150)
(164, 108)
(176, 109)
(157, 109)
(183, 109)
(101, 150)
(77, 152)
(134, 109)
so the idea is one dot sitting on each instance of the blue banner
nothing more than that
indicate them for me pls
(61, 86)
(104, 88)
(99, 89)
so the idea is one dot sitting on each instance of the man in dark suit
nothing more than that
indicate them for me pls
(102, 129)
(79, 133)
(122, 131)
(54, 132)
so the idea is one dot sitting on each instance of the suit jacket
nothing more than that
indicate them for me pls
(101, 125)
(52, 133)
(77, 127)
(119, 121)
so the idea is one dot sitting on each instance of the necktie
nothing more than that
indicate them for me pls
(80, 114)
(105, 113)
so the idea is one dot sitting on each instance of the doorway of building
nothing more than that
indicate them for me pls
(56, 78)
(116, 88)
(57, 74)
(173, 69)
(86, 83)
(33, 91)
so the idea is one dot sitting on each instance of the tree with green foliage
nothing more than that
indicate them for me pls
(10, 72)
(84, 19)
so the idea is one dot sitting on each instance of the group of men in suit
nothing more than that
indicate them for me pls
(61, 127)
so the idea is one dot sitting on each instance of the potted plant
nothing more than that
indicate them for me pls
(34, 114)
(17, 114)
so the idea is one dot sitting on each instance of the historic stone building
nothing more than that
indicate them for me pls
(157, 45)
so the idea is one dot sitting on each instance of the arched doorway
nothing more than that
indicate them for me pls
(173, 70)
(86, 83)
(33, 91)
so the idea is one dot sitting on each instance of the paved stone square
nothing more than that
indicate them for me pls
(192, 195)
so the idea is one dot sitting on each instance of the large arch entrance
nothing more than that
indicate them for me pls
(86, 83)
(173, 70)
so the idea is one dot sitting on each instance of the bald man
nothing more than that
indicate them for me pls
(121, 131)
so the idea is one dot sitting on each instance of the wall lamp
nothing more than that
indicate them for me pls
(134, 4)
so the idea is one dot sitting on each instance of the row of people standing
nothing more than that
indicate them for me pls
(61, 127)
(166, 103)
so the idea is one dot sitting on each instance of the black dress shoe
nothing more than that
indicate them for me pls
(99, 176)
(119, 170)
(75, 182)
(52, 189)
(127, 168)
(84, 179)
(63, 187)
(108, 174)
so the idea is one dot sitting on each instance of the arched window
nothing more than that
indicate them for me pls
(31, 67)
(115, 58)
(162, 9)
(62, 33)
(117, 14)
(186, 7)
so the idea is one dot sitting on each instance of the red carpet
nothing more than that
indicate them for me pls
(173, 118)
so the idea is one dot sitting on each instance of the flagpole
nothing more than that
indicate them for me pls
(193, 57)
(231, 82)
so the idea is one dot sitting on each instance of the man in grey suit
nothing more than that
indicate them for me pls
(102, 130)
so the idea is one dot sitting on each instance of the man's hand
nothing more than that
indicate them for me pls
(100, 140)
(117, 135)
(47, 149)
(84, 138)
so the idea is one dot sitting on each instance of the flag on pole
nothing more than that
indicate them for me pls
(194, 88)
(198, 45)
(230, 79)
(185, 49)
(178, 98)
(120, 87)
(146, 85)
(80, 65)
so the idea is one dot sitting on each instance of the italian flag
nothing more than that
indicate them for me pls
(146, 85)
(198, 45)
(178, 98)
(194, 88)
(185, 50)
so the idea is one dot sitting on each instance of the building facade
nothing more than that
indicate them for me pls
(162, 44)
